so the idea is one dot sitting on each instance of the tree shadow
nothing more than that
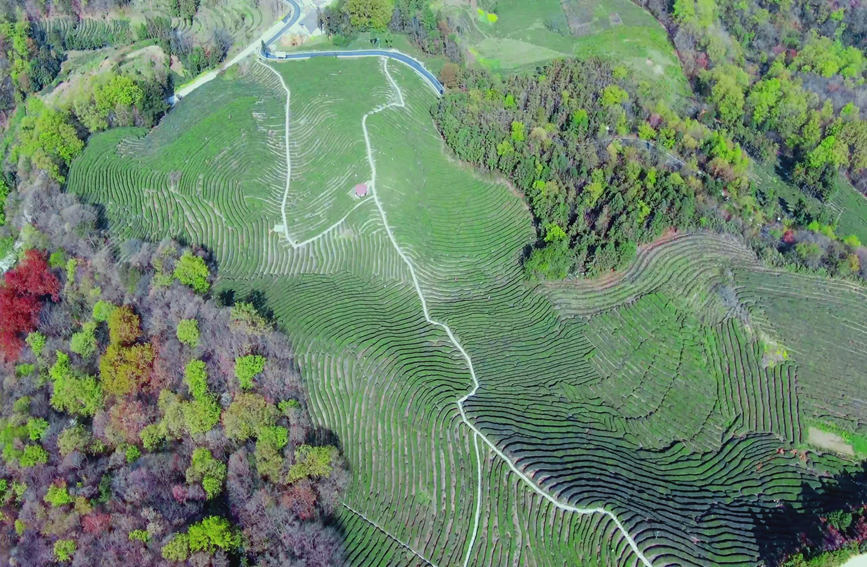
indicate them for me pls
(783, 531)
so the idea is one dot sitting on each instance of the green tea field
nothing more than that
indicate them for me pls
(657, 416)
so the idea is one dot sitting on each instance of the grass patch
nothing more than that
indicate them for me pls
(858, 442)
(851, 209)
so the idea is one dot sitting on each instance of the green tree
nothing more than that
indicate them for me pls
(36, 342)
(552, 261)
(102, 310)
(269, 458)
(213, 533)
(4, 192)
(201, 415)
(64, 549)
(369, 14)
(112, 100)
(830, 151)
(57, 495)
(246, 367)
(83, 342)
(244, 316)
(33, 455)
(763, 98)
(75, 438)
(613, 95)
(151, 436)
(193, 272)
(727, 92)
(188, 332)
(73, 393)
(517, 131)
(207, 470)
(36, 428)
(47, 138)
(196, 377)
(124, 369)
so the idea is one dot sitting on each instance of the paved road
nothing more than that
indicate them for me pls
(416, 65)
(268, 37)
(288, 21)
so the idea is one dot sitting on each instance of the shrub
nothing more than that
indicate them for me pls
(840, 520)
(36, 342)
(139, 535)
(75, 438)
(246, 367)
(63, 550)
(244, 316)
(36, 428)
(311, 462)
(207, 470)
(177, 549)
(124, 326)
(247, 415)
(188, 332)
(193, 272)
(287, 407)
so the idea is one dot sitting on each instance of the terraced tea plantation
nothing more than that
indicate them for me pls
(656, 417)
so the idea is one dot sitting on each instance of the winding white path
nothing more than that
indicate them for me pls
(292, 242)
(401, 103)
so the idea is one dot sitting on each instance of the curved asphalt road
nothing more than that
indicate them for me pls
(391, 54)
(288, 20)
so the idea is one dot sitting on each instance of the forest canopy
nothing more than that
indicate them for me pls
(142, 422)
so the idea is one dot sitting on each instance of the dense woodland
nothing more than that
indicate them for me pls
(605, 171)
(141, 422)
(786, 78)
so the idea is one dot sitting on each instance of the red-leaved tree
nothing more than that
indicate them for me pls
(25, 287)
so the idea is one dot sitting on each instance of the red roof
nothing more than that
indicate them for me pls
(361, 190)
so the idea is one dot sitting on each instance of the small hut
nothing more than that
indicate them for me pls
(361, 190)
